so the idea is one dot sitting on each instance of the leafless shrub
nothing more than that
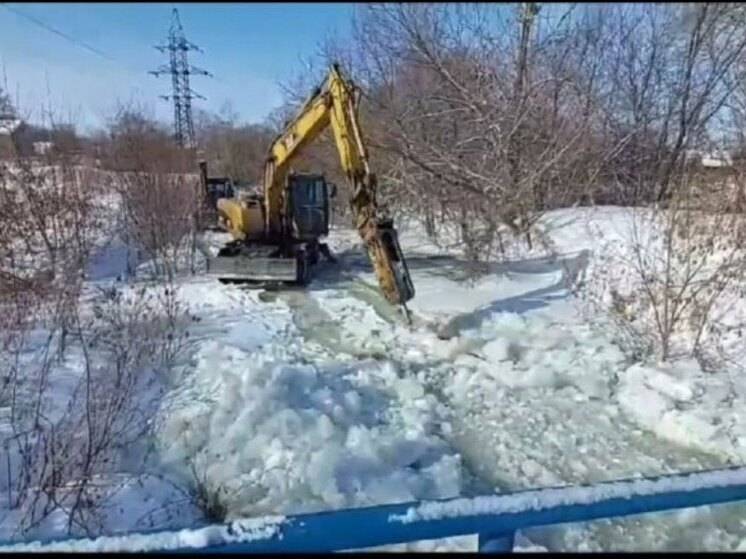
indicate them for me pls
(138, 143)
(51, 220)
(159, 194)
(65, 459)
(51, 216)
(670, 279)
(69, 433)
(159, 218)
(674, 69)
(234, 150)
(212, 501)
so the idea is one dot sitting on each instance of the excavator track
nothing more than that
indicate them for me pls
(258, 264)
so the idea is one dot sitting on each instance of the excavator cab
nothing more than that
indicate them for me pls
(308, 205)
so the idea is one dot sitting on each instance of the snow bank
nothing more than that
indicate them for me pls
(574, 229)
(677, 401)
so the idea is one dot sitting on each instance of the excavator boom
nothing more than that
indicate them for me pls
(335, 102)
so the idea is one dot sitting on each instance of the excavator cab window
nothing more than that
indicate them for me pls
(309, 205)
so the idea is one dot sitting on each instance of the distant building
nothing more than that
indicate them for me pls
(42, 148)
(716, 160)
(9, 124)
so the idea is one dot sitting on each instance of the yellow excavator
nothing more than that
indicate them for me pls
(276, 233)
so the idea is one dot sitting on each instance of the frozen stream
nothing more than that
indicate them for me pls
(320, 398)
(543, 426)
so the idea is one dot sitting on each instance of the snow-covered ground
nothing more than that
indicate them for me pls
(303, 400)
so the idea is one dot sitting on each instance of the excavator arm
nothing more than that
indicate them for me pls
(335, 102)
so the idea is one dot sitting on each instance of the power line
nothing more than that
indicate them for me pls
(122, 65)
(51, 29)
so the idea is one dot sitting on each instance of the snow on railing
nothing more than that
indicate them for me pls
(494, 518)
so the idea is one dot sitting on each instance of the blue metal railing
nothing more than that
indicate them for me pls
(494, 518)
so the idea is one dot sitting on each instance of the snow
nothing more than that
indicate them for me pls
(464, 296)
(238, 531)
(131, 504)
(681, 403)
(521, 544)
(316, 399)
(535, 352)
(281, 434)
(549, 498)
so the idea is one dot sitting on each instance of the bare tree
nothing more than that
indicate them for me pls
(479, 117)
(671, 70)
(233, 149)
(674, 70)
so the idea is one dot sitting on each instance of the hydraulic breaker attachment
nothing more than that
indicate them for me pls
(389, 264)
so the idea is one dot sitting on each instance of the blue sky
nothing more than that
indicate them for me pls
(249, 48)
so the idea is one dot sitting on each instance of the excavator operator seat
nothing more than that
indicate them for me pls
(308, 205)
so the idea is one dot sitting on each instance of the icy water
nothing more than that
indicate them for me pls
(510, 437)
(524, 438)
